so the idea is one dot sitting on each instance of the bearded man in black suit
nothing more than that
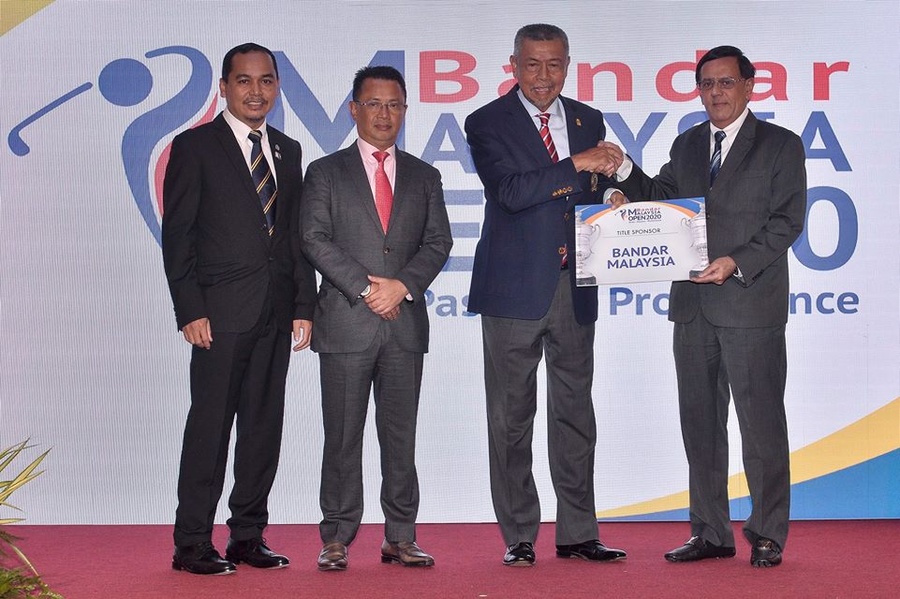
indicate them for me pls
(240, 288)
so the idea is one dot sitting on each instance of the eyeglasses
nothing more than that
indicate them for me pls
(376, 106)
(724, 83)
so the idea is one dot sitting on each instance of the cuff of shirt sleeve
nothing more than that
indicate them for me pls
(624, 170)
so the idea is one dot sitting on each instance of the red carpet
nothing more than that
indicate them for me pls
(852, 559)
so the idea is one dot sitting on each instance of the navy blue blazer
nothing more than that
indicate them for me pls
(528, 217)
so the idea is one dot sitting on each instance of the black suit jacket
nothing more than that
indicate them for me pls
(528, 214)
(754, 212)
(219, 259)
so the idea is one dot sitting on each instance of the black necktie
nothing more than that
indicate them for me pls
(262, 179)
(716, 162)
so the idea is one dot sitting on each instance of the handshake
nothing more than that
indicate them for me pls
(604, 159)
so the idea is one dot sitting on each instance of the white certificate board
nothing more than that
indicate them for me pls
(640, 242)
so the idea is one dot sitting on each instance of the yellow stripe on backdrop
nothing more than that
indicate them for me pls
(866, 439)
(13, 12)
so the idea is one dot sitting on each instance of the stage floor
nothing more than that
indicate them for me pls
(853, 559)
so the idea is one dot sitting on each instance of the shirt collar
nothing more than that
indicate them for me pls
(240, 128)
(366, 150)
(554, 110)
(732, 129)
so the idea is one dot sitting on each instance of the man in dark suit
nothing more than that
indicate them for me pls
(374, 224)
(240, 288)
(730, 334)
(537, 156)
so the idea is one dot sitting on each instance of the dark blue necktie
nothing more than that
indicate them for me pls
(716, 162)
(262, 179)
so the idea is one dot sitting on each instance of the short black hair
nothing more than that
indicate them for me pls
(748, 71)
(540, 32)
(377, 72)
(245, 49)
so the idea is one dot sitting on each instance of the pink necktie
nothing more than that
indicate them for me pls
(384, 196)
(545, 135)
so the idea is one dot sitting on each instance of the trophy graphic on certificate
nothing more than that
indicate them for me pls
(697, 224)
(585, 236)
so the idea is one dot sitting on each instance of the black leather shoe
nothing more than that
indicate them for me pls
(254, 552)
(765, 553)
(201, 558)
(332, 557)
(697, 548)
(519, 554)
(592, 551)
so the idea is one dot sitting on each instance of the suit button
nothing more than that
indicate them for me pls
(271, 258)
(387, 250)
(264, 227)
(566, 216)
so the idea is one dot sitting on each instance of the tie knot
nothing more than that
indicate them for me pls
(255, 136)
(545, 118)
(380, 156)
(720, 135)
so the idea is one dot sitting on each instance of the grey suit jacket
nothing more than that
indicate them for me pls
(754, 211)
(342, 237)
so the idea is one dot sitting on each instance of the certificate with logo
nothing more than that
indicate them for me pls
(640, 242)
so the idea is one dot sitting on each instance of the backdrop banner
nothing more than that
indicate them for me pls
(93, 366)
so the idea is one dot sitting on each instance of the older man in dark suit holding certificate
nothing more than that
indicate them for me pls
(730, 319)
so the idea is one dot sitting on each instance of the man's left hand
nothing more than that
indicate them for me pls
(717, 272)
(386, 294)
(617, 199)
(302, 334)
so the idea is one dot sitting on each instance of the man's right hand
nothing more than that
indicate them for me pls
(602, 158)
(198, 332)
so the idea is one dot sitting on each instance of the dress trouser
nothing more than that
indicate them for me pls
(513, 348)
(241, 377)
(752, 364)
(347, 378)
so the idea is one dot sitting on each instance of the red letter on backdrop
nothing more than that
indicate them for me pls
(624, 80)
(508, 84)
(666, 75)
(777, 80)
(429, 76)
(822, 78)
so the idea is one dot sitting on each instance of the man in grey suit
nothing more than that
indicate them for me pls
(730, 319)
(374, 224)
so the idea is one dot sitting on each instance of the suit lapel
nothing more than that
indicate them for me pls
(239, 165)
(521, 126)
(697, 170)
(579, 139)
(403, 180)
(282, 180)
(740, 147)
(235, 156)
(356, 172)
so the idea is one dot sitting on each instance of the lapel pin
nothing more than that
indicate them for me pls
(277, 154)
(578, 122)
